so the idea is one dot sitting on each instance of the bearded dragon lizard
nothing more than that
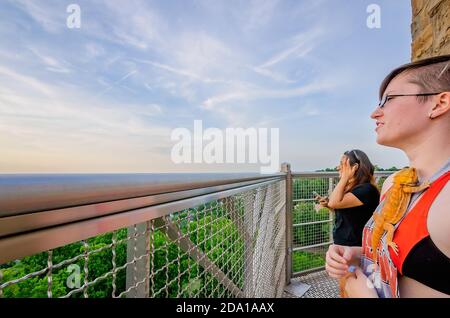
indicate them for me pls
(343, 281)
(405, 183)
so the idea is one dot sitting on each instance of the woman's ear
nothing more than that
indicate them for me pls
(441, 106)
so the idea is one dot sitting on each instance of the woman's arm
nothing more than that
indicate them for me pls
(338, 198)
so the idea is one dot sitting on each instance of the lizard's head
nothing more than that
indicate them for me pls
(406, 176)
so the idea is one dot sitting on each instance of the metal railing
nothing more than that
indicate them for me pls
(161, 235)
(174, 235)
(312, 226)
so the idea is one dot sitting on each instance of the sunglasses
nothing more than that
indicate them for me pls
(354, 153)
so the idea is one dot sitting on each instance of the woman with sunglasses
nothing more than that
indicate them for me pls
(354, 198)
(413, 116)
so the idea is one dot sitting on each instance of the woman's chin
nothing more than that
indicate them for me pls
(381, 140)
(386, 142)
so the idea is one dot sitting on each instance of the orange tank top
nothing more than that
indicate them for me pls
(411, 229)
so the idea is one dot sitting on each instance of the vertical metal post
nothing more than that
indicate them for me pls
(1, 280)
(147, 259)
(249, 203)
(138, 271)
(331, 219)
(286, 168)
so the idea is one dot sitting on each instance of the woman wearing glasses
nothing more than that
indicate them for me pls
(414, 116)
(354, 198)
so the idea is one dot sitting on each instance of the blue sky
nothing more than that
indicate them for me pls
(105, 97)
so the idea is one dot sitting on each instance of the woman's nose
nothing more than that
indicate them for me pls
(376, 113)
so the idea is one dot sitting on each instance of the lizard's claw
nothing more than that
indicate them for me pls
(394, 247)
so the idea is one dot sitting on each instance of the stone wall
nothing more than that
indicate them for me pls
(430, 28)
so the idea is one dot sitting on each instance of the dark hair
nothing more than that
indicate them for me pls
(365, 171)
(431, 74)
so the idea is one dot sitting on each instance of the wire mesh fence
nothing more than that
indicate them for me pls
(230, 243)
(234, 246)
(313, 224)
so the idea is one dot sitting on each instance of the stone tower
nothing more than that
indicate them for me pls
(430, 28)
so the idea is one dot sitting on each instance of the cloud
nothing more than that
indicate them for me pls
(303, 43)
(301, 111)
(273, 75)
(259, 14)
(261, 93)
(49, 119)
(14, 56)
(116, 83)
(135, 24)
(27, 82)
(51, 63)
(111, 90)
(178, 71)
(205, 55)
(60, 102)
(94, 50)
(50, 17)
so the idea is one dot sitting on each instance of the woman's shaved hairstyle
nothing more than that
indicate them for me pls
(431, 74)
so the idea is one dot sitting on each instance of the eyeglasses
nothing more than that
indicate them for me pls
(387, 98)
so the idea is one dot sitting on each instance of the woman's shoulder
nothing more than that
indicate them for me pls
(366, 186)
(367, 193)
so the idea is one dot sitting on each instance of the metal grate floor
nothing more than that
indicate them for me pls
(322, 286)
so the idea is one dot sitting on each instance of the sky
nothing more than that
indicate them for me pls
(106, 97)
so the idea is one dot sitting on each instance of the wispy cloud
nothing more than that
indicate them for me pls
(259, 14)
(49, 16)
(299, 46)
(51, 63)
(205, 54)
(26, 82)
(303, 43)
(256, 94)
(302, 111)
(135, 24)
(116, 83)
(50, 119)
(94, 50)
(44, 98)
(273, 75)
(178, 71)
(111, 91)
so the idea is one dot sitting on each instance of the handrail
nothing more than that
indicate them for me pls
(41, 212)
(24, 222)
(25, 193)
(328, 174)
(40, 231)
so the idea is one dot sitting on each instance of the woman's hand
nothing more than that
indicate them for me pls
(347, 171)
(360, 286)
(323, 201)
(338, 258)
